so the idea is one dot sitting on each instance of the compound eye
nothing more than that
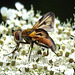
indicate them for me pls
(17, 34)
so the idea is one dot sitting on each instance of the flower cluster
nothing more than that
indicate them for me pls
(43, 61)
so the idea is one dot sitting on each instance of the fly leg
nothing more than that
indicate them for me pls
(17, 46)
(31, 46)
(44, 46)
(13, 50)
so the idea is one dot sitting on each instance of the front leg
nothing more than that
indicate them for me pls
(17, 46)
(13, 50)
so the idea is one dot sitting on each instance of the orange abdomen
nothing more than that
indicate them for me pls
(48, 42)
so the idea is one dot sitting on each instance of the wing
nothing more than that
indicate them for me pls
(46, 22)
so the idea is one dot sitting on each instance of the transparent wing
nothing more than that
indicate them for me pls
(46, 22)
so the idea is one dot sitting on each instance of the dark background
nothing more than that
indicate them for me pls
(63, 9)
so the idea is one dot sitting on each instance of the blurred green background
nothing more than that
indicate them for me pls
(63, 9)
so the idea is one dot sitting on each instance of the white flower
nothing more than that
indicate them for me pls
(25, 16)
(8, 39)
(17, 22)
(26, 26)
(19, 6)
(8, 13)
(3, 11)
(57, 21)
(55, 69)
(62, 68)
(11, 13)
(23, 22)
(3, 29)
(9, 22)
(69, 72)
(18, 72)
(19, 14)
